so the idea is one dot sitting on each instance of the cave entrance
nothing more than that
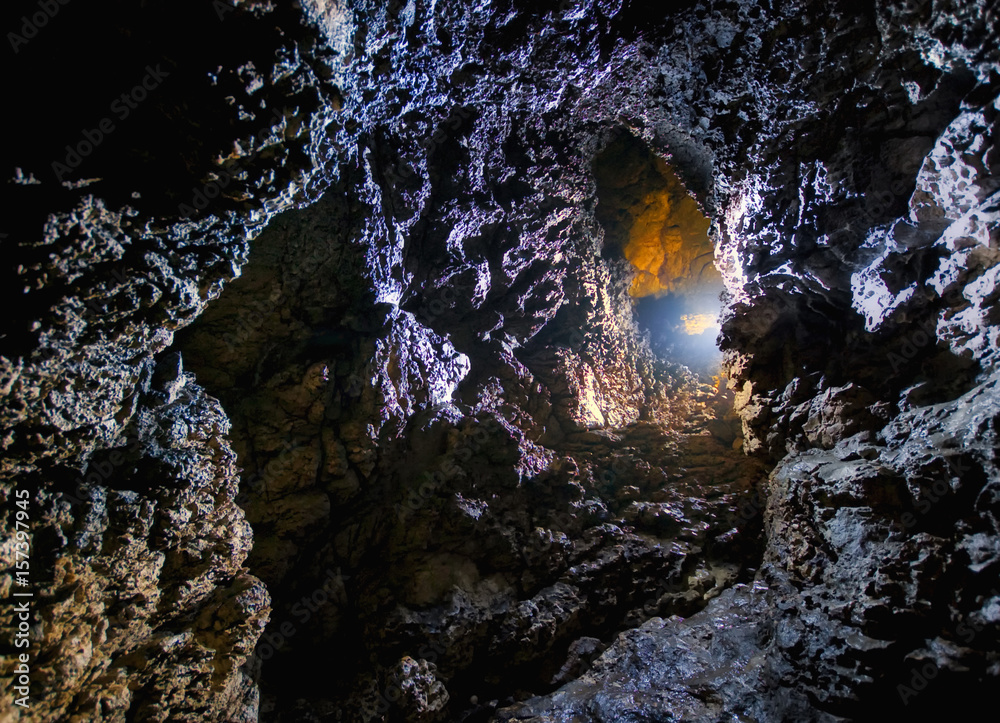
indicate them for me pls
(651, 219)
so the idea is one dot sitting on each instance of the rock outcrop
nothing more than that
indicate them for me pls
(323, 377)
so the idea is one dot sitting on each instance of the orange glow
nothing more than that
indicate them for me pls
(668, 241)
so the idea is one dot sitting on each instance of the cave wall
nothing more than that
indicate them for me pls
(151, 151)
(415, 460)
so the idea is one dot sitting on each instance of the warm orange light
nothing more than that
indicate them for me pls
(647, 213)
(668, 241)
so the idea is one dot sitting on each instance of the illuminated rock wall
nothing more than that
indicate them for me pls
(651, 218)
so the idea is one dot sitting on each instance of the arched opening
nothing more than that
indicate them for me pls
(651, 219)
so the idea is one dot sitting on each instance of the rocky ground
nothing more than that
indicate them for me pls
(322, 376)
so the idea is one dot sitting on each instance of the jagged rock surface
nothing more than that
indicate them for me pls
(143, 608)
(465, 471)
(405, 510)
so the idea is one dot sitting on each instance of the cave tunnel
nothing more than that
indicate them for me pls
(441, 362)
(650, 218)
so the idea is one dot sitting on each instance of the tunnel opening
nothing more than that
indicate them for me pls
(651, 219)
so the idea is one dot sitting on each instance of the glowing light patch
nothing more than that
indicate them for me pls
(654, 222)
(693, 324)
(648, 213)
(668, 241)
(590, 406)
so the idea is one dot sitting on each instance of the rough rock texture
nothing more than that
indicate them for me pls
(143, 608)
(402, 513)
(475, 491)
